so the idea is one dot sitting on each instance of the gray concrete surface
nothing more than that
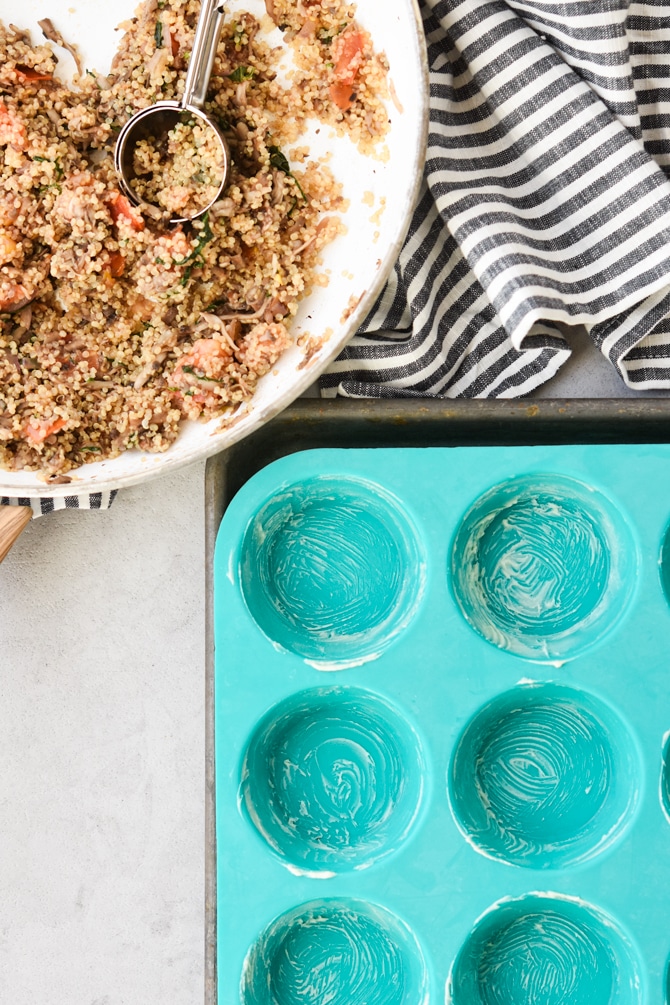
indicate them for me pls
(587, 374)
(102, 641)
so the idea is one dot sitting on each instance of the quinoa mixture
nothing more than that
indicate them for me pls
(115, 327)
(182, 171)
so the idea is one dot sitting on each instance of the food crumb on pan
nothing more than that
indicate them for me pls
(114, 326)
(353, 303)
(312, 345)
(377, 215)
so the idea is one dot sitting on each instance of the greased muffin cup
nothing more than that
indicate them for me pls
(442, 731)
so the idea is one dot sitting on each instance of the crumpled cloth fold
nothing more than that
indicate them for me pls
(545, 205)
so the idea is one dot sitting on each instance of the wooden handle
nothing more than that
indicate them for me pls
(13, 521)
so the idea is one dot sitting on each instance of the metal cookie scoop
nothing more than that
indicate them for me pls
(157, 120)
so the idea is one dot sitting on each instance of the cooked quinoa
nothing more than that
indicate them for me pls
(113, 326)
(180, 172)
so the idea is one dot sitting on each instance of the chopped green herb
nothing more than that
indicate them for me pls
(159, 261)
(187, 275)
(241, 73)
(194, 258)
(92, 450)
(278, 160)
(298, 186)
(200, 375)
(158, 34)
(58, 170)
(326, 35)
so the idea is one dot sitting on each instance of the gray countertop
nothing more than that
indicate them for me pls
(102, 635)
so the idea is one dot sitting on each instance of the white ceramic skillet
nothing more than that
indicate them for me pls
(381, 192)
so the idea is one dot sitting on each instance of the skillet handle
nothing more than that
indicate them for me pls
(13, 521)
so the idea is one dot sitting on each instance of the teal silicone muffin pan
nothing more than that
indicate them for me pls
(442, 712)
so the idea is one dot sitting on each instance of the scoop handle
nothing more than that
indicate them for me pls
(207, 34)
(13, 521)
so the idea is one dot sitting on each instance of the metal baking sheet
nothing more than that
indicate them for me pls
(312, 423)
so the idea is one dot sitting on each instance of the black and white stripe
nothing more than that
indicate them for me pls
(42, 506)
(546, 204)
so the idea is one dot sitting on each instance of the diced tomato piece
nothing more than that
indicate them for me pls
(349, 54)
(341, 95)
(121, 208)
(205, 355)
(30, 73)
(70, 359)
(117, 264)
(140, 308)
(17, 296)
(38, 430)
(12, 129)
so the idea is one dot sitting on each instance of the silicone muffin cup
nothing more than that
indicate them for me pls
(442, 768)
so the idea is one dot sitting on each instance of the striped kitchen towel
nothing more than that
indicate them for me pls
(545, 203)
(43, 506)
